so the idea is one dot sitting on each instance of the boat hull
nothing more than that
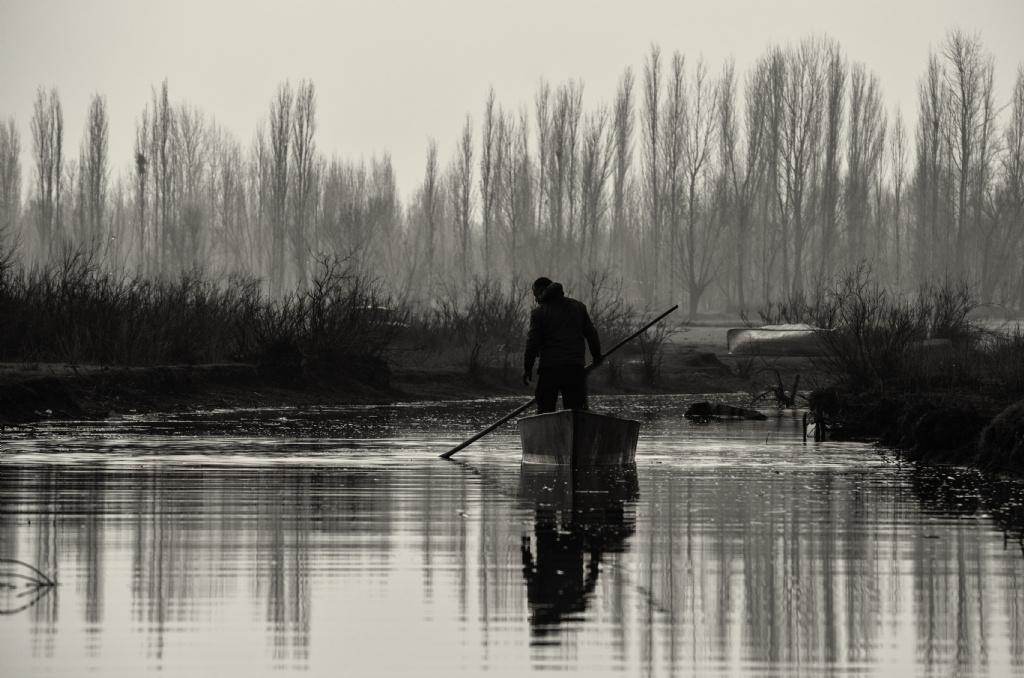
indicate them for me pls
(775, 342)
(578, 439)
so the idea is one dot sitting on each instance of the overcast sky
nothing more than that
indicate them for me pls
(391, 75)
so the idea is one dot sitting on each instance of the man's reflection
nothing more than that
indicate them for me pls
(580, 517)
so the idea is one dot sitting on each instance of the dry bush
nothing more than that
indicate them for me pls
(72, 312)
(485, 326)
(613, 316)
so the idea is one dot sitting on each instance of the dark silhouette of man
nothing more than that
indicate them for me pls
(559, 326)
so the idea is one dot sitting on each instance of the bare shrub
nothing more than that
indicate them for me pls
(485, 325)
(72, 312)
(889, 342)
(1003, 362)
(613, 316)
(652, 344)
(797, 308)
(949, 306)
(342, 323)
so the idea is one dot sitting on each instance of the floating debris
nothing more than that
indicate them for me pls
(21, 586)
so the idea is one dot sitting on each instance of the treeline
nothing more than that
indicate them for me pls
(719, 190)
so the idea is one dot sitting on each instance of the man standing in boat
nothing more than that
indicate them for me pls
(559, 326)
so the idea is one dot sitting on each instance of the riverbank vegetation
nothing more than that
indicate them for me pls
(918, 371)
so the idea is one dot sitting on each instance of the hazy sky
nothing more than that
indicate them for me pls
(391, 75)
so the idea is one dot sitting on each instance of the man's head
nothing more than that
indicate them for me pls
(539, 285)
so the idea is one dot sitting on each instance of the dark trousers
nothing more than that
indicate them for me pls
(569, 380)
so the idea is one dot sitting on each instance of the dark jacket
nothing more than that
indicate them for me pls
(558, 327)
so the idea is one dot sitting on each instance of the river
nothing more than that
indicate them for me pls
(335, 542)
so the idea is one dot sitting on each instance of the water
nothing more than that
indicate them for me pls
(337, 543)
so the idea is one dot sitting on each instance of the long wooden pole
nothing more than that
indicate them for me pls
(613, 349)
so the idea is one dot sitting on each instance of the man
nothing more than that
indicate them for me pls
(558, 328)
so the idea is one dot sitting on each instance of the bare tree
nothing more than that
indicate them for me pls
(141, 177)
(968, 81)
(774, 230)
(700, 258)
(259, 191)
(623, 126)
(835, 102)
(460, 177)
(10, 191)
(48, 141)
(595, 169)
(865, 145)
(649, 253)
(488, 172)
(237, 234)
(1013, 178)
(387, 246)
(1002, 226)
(800, 137)
(302, 234)
(188, 241)
(515, 188)
(898, 169)
(94, 168)
(743, 159)
(280, 135)
(563, 164)
(432, 204)
(675, 123)
(542, 108)
(929, 237)
(162, 130)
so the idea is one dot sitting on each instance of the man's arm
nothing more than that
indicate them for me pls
(590, 334)
(534, 338)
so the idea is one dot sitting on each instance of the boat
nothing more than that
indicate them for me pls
(796, 339)
(578, 439)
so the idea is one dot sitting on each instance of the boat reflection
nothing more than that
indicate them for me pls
(580, 517)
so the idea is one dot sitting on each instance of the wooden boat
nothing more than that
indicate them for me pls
(776, 340)
(578, 439)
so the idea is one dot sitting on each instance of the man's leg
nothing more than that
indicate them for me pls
(547, 391)
(574, 387)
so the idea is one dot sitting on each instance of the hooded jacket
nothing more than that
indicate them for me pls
(558, 327)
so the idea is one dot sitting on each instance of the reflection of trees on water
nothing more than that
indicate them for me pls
(815, 568)
(798, 568)
(196, 536)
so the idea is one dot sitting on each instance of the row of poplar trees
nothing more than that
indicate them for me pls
(720, 191)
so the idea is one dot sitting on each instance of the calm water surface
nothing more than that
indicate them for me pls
(336, 543)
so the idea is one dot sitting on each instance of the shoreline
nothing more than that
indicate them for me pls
(698, 363)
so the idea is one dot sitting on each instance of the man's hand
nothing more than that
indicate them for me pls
(598, 359)
(527, 377)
